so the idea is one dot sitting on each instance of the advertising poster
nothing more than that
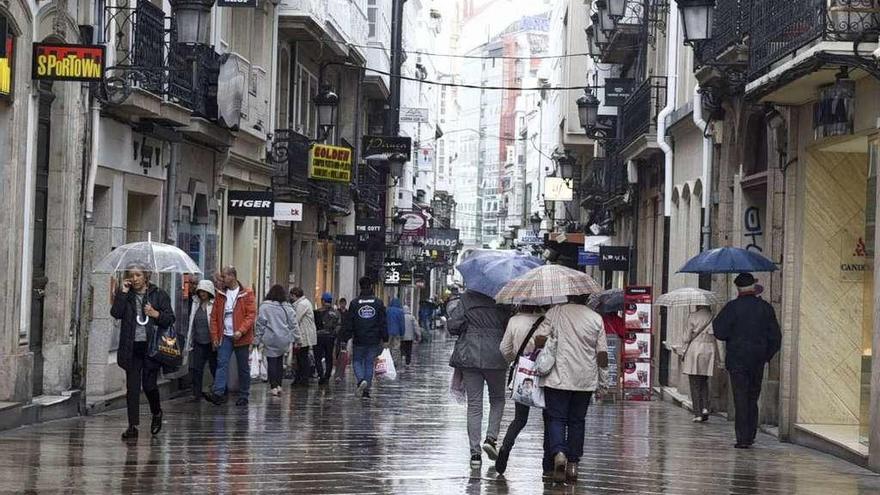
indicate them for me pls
(331, 163)
(637, 345)
(613, 363)
(637, 308)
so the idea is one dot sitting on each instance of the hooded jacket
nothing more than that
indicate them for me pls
(396, 320)
(276, 328)
(479, 324)
(124, 308)
(364, 322)
(411, 327)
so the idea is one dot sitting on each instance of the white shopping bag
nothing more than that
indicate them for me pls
(385, 366)
(258, 364)
(456, 388)
(527, 388)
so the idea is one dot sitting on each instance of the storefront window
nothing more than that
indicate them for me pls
(868, 293)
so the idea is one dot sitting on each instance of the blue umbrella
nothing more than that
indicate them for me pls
(728, 260)
(489, 272)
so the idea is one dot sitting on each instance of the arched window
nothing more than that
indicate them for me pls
(7, 56)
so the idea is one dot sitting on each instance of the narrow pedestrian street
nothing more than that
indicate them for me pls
(409, 438)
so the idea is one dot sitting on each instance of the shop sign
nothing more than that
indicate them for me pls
(61, 62)
(369, 226)
(288, 212)
(416, 225)
(557, 189)
(586, 258)
(614, 258)
(393, 271)
(331, 163)
(7, 50)
(852, 257)
(237, 3)
(346, 245)
(617, 90)
(375, 145)
(406, 275)
(527, 236)
(441, 239)
(250, 203)
(419, 115)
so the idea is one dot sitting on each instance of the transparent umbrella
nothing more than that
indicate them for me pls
(151, 256)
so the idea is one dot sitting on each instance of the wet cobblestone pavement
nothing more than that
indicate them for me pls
(407, 439)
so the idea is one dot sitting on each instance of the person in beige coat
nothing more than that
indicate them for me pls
(698, 359)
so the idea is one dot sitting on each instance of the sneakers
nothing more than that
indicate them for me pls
(559, 466)
(697, 419)
(362, 388)
(705, 416)
(156, 424)
(276, 391)
(130, 434)
(476, 461)
(571, 472)
(242, 401)
(490, 449)
(216, 399)
(501, 461)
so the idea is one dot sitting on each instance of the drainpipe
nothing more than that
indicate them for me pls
(671, 89)
(708, 157)
(171, 186)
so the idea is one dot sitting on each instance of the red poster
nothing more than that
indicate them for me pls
(637, 308)
(637, 314)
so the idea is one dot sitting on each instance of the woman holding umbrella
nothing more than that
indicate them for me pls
(142, 308)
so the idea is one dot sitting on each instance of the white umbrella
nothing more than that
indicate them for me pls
(689, 296)
(151, 256)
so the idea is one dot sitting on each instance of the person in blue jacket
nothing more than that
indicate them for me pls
(396, 326)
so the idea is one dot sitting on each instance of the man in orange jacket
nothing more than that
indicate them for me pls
(232, 332)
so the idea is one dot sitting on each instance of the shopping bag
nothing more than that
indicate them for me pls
(385, 366)
(527, 388)
(164, 347)
(456, 388)
(259, 368)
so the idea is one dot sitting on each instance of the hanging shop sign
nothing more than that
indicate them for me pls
(369, 226)
(416, 225)
(61, 62)
(393, 271)
(331, 163)
(617, 90)
(237, 3)
(441, 239)
(288, 212)
(406, 274)
(377, 145)
(557, 189)
(419, 115)
(833, 112)
(7, 51)
(586, 258)
(346, 245)
(250, 203)
(529, 237)
(614, 258)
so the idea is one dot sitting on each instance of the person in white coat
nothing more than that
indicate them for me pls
(305, 319)
(698, 355)
(198, 338)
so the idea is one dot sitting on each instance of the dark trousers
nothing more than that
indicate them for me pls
(201, 354)
(303, 368)
(699, 393)
(324, 350)
(275, 370)
(520, 418)
(746, 385)
(564, 424)
(138, 377)
(406, 350)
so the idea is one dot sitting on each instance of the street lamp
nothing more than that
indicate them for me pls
(606, 23)
(396, 161)
(616, 9)
(397, 224)
(698, 16)
(326, 102)
(565, 166)
(601, 36)
(588, 109)
(592, 49)
(192, 20)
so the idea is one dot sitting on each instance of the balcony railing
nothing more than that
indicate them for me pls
(730, 27)
(779, 28)
(639, 112)
(605, 179)
(370, 187)
(146, 57)
(290, 164)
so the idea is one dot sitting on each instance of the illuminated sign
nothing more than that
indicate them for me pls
(6, 53)
(330, 163)
(60, 62)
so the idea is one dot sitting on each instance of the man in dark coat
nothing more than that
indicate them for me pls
(749, 326)
(365, 324)
(141, 308)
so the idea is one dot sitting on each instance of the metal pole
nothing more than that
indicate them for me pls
(392, 116)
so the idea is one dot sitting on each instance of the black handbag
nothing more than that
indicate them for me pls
(165, 347)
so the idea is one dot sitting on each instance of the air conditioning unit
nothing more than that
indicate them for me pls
(257, 117)
(231, 86)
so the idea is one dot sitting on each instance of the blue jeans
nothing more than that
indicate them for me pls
(564, 424)
(364, 360)
(242, 355)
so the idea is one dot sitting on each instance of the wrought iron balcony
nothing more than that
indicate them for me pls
(639, 113)
(289, 159)
(148, 58)
(370, 187)
(730, 27)
(605, 180)
(779, 28)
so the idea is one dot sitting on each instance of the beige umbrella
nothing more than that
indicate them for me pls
(547, 284)
(689, 296)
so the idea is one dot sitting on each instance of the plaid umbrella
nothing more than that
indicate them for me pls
(547, 284)
(688, 296)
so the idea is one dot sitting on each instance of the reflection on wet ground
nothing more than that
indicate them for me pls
(408, 439)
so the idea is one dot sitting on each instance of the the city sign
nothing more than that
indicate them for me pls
(331, 163)
(62, 62)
